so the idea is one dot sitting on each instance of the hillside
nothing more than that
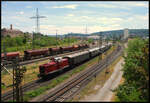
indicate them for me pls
(116, 33)
(135, 32)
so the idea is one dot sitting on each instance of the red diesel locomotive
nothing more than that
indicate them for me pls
(54, 65)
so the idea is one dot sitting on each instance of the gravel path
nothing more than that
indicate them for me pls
(105, 93)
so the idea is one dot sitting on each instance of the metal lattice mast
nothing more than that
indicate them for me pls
(86, 30)
(37, 17)
(56, 38)
(17, 79)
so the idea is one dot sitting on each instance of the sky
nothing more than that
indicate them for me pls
(67, 17)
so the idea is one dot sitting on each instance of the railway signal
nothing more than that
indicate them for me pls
(17, 79)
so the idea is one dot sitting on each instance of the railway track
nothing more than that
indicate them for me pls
(29, 86)
(35, 84)
(70, 88)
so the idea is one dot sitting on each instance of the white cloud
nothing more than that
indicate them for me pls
(20, 13)
(70, 15)
(104, 20)
(121, 5)
(51, 29)
(104, 28)
(102, 5)
(109, 20)
(28, 6)
(67, 6)
(138, 4)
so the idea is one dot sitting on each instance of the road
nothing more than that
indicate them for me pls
(105, 93)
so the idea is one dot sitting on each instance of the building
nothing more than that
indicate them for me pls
(95, 37)
(11, 32)
(126, 33)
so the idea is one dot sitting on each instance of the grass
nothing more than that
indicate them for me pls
(34, 66)
(3, 86)
(114, 97)
(4, 72)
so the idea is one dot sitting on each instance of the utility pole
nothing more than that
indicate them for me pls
(33, 40)
(100, 45)
(113, 39)
(68, 40)
(86, 30)
(4, 49)
(107, 40)
(56, 38)
(37, 17)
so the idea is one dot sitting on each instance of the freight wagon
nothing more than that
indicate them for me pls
(54, 51)
(30, 54)
(94, 52)
(11, 55)
(77, 58)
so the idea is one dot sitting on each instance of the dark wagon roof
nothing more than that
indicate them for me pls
(31, 51)
(77, 54)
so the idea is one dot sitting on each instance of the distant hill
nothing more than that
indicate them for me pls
(132, 32)
(136, 32)
(71, 35)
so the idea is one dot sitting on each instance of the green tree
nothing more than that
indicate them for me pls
(136, 72)
(19, 41)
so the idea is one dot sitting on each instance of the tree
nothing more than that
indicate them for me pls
(136, 72)
(19, 41)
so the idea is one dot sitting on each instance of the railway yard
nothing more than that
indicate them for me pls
(73, 52)
(69, 79)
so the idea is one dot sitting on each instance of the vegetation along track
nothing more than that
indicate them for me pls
(35, 84)
(70, 88)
